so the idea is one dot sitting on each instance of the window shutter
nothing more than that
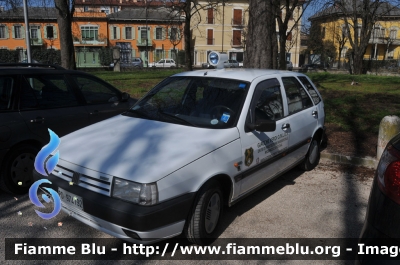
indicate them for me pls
(155, 33)
(111, 33)
(163, 33)
(133, 33)
(45, 32)
(169, 54)
(148, 35)
(23, 32)
(6, 32)
(118, 33)
(133, 50)
(39, 33)
(54, 32)
(13, 32)
(169, 33)
(124, 33)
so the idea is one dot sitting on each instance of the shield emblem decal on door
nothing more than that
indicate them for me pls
(248, 156)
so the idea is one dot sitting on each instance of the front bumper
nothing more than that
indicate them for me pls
(135, 223)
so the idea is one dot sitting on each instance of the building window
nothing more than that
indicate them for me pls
(2, 32)
(237, 38)
(210, 16)
(210, 37)
(115, 35)
(89, 33)
(143, 33)
(128, 33)
(159, 35)
(50, 32)
(237, 17)
(393, 34)
(34, 31)
(174, 34)
(158, 55)
(17, 32)
(85, 9)
(323, 33)
(115, 9)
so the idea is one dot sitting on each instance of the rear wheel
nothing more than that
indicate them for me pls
(204, 218)
(312, 157)
(16, 172)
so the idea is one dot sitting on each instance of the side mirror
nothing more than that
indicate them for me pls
(125, 96)
(263, 126)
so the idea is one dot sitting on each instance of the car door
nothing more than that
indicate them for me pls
(302, 114)
(47, 101)
(102, 100)
(263, 153)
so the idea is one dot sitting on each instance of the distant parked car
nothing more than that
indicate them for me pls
(289, 65)
(136, 62)
(164, 63)
(231, 64)
(240, 64)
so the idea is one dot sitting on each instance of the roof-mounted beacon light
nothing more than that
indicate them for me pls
(217, 59)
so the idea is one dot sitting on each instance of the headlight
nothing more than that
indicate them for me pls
(143, 194)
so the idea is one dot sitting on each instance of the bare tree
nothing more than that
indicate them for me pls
(360, 17)
(261, 41)
(65, 11)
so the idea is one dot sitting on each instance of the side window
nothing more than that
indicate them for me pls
(297, 97)
(94, 91)
(6, 85)
(267, 101)
(46, 91)
(311, 89)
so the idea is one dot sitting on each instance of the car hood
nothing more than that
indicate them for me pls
(138, 149)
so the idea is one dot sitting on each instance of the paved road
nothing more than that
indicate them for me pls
(324, 203)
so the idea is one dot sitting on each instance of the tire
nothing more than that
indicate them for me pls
(202, 223)
(18, 167)
(312, 157)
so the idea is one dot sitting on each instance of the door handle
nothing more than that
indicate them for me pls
(285, 126)
(38, 120)
(315, 113)
(94, 112)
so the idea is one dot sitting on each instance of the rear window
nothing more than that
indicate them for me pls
(6, 84)
(310, 88)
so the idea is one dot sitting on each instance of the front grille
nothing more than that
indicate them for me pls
(85, 178)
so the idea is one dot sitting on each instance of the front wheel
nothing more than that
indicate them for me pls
(312, 157)
(203, 220)
(16, 172)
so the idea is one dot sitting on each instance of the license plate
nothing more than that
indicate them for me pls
(70, 199)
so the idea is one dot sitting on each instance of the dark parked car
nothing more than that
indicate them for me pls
(136, 62)
(381, 227)
(40, 97)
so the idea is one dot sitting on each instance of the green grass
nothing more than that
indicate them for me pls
(136, 82)
(358, 108)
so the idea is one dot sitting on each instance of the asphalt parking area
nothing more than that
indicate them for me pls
(328, 202)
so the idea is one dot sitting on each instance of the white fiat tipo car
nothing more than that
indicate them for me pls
(195, 143)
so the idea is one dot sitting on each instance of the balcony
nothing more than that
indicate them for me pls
(142, 42)
(383, 41)
(237, 22)
(36, 42)
(236, 44)
(90, 41)
(210, 41)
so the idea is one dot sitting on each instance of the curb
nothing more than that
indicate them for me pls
(369, 162)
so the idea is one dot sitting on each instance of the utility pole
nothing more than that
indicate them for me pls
(223, 22)
(27, 36)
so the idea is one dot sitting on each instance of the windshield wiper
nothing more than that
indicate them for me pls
(133, 112)
(175, 117)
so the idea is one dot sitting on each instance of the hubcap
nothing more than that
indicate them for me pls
(313, 152)
(21, 169)
(212, 213)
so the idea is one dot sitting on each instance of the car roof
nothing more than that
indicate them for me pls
(32, 68)
(244, 74)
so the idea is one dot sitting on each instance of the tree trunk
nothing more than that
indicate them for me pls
(186, 33)
(64, 20)
(261, 44)
(358, 63)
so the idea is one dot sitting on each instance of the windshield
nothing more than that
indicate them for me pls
(194, 101)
